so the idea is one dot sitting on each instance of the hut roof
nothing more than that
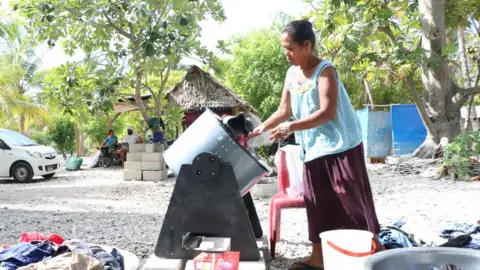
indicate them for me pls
(198, 90)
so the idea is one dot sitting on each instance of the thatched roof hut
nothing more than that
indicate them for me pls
(199, 90)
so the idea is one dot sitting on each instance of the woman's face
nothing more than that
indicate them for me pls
(295, 53)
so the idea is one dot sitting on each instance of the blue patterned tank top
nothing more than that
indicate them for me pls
(337, 135)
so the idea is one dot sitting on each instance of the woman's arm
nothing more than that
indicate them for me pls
(283, 113)
(328, 94)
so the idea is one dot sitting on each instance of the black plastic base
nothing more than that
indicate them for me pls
(209, 207)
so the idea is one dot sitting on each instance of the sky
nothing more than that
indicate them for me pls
(242, 16)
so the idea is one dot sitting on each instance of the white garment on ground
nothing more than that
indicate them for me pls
(295, 168)
(95, 160)
(131, 139)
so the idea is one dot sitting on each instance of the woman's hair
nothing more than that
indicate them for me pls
(301, 31)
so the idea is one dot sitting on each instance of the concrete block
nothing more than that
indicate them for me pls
(152, 157)
(164, 173)
(154, 148)
(136, 148)
(132, 166)
(152, 175)
(134, 156)
(151, 166)
(132, 175)
(155, 263)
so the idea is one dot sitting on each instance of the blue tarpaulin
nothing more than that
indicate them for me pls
(408, 130)
(376, 132)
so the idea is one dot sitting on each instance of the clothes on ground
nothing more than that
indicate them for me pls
(37, 251)
(24, 254)
(462, 235)
(66, 261)
(456, 229)
(459, 241)
(36, 236)
(295, 168)
(392, 237)
(95, 160)
(341, 182)
(446, 267)
(109, 261)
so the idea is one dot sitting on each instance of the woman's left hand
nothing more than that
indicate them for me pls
(281, 132)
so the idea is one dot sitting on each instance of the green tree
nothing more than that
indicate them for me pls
(62, 134)
(18, 75)
(402, 42)
(257, 70)
(83, 89)
(152, 35)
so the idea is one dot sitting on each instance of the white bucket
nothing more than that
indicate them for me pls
(346, 249)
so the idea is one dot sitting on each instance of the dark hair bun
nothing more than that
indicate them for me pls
(300, 31)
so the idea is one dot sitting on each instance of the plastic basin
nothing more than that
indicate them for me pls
(423, 259)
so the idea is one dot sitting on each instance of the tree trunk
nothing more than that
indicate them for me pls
(466, 79)
(109, 121)
(138, 95)
(77, 140)
(81, 145)
(366, 84)
(438, 87)
(159, 96)
(22, 123)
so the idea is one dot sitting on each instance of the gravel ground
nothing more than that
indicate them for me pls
(97, 206)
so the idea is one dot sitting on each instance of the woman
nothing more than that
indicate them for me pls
(337, 191)
(110, 141)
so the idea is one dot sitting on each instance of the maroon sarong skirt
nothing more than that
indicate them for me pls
(338, 195)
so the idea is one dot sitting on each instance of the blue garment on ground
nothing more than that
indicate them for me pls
(392, 238)
(475, 242)
(455, 229)
(446, 267)
(109, 260)
(24, 254)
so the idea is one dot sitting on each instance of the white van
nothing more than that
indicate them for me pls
(22, 158)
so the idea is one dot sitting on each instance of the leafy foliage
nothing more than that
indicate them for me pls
(40, 137)
(151, 36)
(96, 129)
(460, 154)
(257, 71)
(18, 75)
(62, 134)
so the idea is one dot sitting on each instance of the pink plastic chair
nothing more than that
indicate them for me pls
(281, 201)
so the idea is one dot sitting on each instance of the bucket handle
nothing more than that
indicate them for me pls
(353, 254)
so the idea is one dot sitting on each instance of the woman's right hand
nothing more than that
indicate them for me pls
(256, 132)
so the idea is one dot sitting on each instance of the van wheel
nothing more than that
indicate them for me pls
(22, 172)
(48, 176)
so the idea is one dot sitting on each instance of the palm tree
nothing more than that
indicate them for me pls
(18, 76)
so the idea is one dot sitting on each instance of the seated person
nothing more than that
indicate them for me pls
(131, 138)
(110, 142)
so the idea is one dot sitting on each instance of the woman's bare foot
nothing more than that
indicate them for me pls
(315, 260)
(310, 261)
